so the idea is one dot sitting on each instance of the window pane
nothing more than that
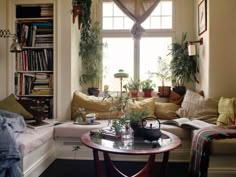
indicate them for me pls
(150, 50)
(118, 19)
(166, 22)
(118, 23)
(117, 55)
(160, 18)
(166, 8)
(107, 23)
(107, 9)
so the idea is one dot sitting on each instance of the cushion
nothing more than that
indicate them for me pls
(226, 111)
(90, 103)
(148, 103)
(166, 110)
(195, 106)
(10, 104)
(175, 98)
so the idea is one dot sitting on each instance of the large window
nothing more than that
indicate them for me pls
(137, 57)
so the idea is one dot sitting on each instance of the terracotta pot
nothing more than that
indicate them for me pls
(134, 94)
(147, 93)
(164, 91)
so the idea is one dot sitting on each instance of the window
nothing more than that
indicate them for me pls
(137, 57)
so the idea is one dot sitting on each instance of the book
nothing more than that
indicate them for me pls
(185, 122)
(36, 125)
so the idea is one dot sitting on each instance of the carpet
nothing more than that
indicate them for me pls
(85, 168)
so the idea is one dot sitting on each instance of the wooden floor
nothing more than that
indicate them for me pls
(78, 168)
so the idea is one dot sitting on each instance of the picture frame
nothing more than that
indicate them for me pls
(202, 17)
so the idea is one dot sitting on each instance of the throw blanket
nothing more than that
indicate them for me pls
(11, 125)
(200, 151)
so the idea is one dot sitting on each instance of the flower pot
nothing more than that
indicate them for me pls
(134, 94)
(164, 91)
(181, 90)
(147, 93)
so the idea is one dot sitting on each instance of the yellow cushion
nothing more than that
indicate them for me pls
(10, 104)
(166, 110)
(90, 103)
(148, 104)
(226, 111)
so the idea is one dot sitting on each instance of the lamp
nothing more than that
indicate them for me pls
(15, 46)
(121, 74)
(192, 47)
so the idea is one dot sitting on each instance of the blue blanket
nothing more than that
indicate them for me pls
(11, 125)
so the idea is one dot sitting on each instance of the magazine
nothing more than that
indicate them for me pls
(35, 125)
(186, 122)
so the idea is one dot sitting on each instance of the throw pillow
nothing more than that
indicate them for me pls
(148, 103)
(226, 111)
(175, 98)
(90, 103)
(195, 106)
(10, 104)
(166, 110)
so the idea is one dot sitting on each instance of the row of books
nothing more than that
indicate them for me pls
(35, 60)
(46, 10)
(33, 84)
(35, 34)
(36, 11)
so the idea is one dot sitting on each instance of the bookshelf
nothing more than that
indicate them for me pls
(34, 70)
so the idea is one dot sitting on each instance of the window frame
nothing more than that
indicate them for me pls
(148, 33)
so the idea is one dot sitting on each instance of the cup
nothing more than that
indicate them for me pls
(90, 118)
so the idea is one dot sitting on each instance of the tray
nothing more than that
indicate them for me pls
(86, 123)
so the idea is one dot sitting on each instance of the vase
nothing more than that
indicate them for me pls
(164, 91)
(147, 93)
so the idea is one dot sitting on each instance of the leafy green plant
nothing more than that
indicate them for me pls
(163, 71)
(135, 114)
(132, 85)
(91, 54)
(183, 67)
(147, 85)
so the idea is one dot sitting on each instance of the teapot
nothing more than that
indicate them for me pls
(151, 133)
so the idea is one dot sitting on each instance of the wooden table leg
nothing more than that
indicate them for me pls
(97, 164)
(164, 164)
(114, 172)
(111, 169)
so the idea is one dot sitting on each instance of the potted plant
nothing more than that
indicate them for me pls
(147, 87)
(163, 72)
(90, 50)
(133, 87)
(183, 67)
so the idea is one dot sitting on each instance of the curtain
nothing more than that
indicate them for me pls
(96, 11)
(138, 11)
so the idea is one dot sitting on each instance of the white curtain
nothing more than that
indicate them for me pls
(138, 11)
(96, 11)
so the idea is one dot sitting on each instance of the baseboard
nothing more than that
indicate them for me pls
(32, 167)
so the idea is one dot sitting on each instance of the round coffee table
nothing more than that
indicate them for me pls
(137, 146)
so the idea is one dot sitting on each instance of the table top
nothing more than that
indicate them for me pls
(136, 146)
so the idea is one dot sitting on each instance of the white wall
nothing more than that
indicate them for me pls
(3, 50)
(217, 55)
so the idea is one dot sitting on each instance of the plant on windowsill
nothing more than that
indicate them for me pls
(184, 68)
(147, 87)
(133, 87)
(164, 73)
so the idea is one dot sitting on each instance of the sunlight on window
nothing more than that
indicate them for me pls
(161, 17)
(150, 50)
(114, 18)
(117, 55)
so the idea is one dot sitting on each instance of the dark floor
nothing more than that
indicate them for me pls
(82, 168)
